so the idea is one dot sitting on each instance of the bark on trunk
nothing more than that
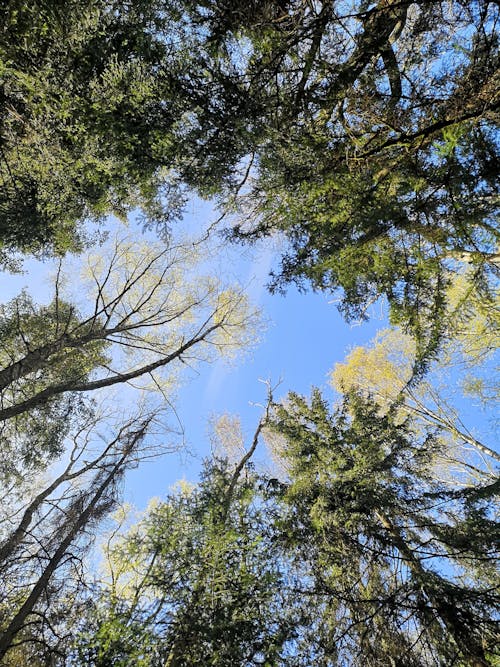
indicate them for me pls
(73, 385)
(92, 509)
(471, 650)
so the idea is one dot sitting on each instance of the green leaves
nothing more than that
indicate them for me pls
(377, 194)
(366, 137)
(196, 576)
(361, 505)
(382, 182)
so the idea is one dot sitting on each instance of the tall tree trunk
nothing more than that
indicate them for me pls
(470, 648)
(91, 511)
(42, 397)
(10, 544)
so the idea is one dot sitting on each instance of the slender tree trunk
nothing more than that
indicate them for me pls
(38, 359)
(74, 385)
(92, 510)
(471, 649)
(434, 419)
(179, 642)
(11, 543)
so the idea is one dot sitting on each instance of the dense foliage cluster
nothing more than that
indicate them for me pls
(366, 134)
(361, 138)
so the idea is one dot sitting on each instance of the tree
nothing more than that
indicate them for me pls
(381, 181)
(147, 313)
(35, 437)
(342, 128)
(107, 107)
(472, 333)
(405, 563)
(196, 581)
(357, 555)
(151, 312)
(383, 371)
(44, 537)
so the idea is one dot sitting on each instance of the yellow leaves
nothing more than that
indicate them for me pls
(381, 370)
(277, 445)
(474, 319)
(237, 323)
(159, 310)
(160, 291)
(182, 487)
(227, 437)
(225, 306)
(137, 275)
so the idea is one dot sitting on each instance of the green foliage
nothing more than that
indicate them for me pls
(26, 327)
(381, 183)
(390, 547)
(45, 533)
(345, 132)
(34, 438)
(358, 557)
(197, 580)
(365, 137)
(115, 639)
(104, 106)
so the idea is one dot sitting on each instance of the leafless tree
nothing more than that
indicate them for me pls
(44, 539)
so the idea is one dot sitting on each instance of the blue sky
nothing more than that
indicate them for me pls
(303, 337)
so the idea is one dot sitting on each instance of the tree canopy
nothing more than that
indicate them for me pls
(363, 502)
(366, 134)
(360, 139)
(105, 106)
(358, 555)
(380, 179)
